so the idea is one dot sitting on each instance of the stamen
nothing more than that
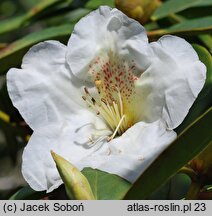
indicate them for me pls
(118, 116)
(111, 137)
(120, 102)
(114, 80)
(86, 91)
(98, 84)
(104, 101)
(93, 100)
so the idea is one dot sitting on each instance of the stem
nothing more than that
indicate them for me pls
(193, 192)
(177, 18)
(156, 33)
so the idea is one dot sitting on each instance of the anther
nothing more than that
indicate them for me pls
(93, 101)
(98, 84)
(104, 101)
(86, 90)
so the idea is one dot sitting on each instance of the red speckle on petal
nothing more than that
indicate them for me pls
(115, 75)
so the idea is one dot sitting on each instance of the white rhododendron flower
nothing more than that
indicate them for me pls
(108, 100)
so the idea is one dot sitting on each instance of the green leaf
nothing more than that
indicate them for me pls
(93, 4)
(41, 7)
(187, 145)
(203, 3)
(198, 24)
(173, 6)
(168, 190)
(106, 186)
(203, 101)
(76, 15)
(186, 27)
(151, 26)
(11, 56)
(196, 12)
(25, 19)
(77, 186)
(27, 193)
(11, 24)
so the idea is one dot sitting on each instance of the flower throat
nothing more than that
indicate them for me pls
(114, 81)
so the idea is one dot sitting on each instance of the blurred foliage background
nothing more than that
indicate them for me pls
(24, 23)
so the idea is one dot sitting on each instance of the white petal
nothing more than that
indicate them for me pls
(104, 29)
(178, 48)
(132, 153)
(172, 82)
(43, 90)
(125, 166)
(70, 139)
